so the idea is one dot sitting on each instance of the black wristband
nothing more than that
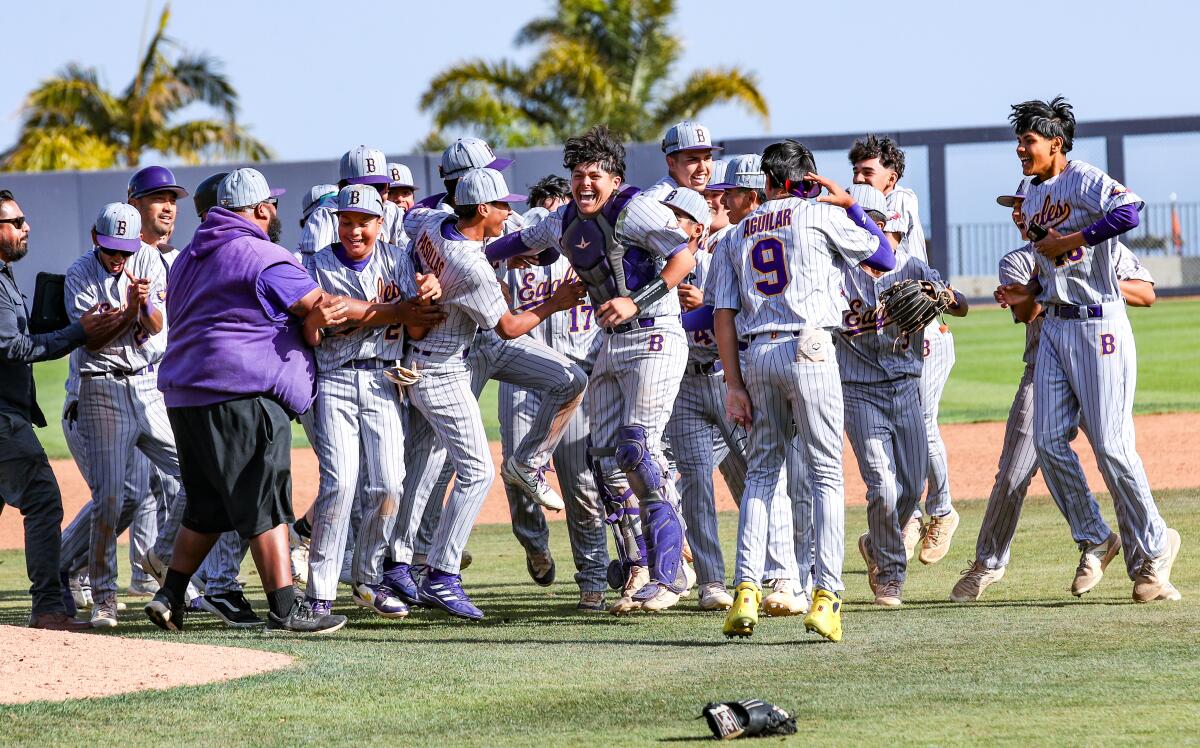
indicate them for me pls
(650, 293)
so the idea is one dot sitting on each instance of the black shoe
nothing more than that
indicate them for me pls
(233, 608)
(68, 599)
(166, 613)
(540, 567)
(306, 617)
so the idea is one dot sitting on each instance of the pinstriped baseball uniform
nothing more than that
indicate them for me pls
(358, 420)
(1089, 364)
(701, 438)
(320, 230)
(905, 219)
(444, 395)
(637, 374)
(575, 335)
(661, 188)
(880, 386)
(120, 407)
(778, 270)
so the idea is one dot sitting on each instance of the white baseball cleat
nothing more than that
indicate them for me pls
(532, 483)
(714, 596)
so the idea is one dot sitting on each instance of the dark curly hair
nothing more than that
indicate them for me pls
(598, 145)
(1054, 119)
(548, 187)
(884, 149)
(787, 162)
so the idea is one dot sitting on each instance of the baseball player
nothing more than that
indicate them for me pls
(358, 417)
(881, 369)
(120, 407)
(880, 163)
(689, 150)
(451, 249)
(575, 335)
(1018, 457)
(718, 214)
(700, 434)
(776, 285)
(1086, 360)
(402, 189)
(359, 165)
(629, 252)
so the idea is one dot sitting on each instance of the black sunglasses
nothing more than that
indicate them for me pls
(18, 223)
(115, 252)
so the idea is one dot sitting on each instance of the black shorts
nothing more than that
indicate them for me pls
(236, 462)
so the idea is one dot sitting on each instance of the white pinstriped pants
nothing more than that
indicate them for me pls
(794, 379)
(357, 416)
(117, 416)
(935, 370)
(1090, 367)
(887, 432)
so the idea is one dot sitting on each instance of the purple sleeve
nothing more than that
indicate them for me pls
(884, 258)
(1114, 223)
(280, 286)
(509, 245)
(698, 319)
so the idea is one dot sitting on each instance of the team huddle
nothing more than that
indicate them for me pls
(736, 316)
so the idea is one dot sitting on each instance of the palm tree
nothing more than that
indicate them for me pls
(71, 121)
(601, 61)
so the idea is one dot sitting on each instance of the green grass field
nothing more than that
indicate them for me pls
(1029, 665)
(988, 348)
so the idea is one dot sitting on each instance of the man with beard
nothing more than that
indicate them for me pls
(26, 480)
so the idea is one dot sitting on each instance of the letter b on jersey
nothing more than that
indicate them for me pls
(1108, 344)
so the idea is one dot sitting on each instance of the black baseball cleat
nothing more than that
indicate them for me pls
(233, 608)
(306, 617)
(166, 613)
(540, 567)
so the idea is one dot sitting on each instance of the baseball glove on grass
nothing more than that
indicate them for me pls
(912, 304)
(751, 718)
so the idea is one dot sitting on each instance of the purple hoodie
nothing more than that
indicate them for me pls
(221, 345)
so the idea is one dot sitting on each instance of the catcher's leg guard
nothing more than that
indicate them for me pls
(646, 476)
(664, 545)
(623, 515)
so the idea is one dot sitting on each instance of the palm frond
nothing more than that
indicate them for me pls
(200, 79)
(73, 97)
(55, 148)
(200, 140)
(704, 88)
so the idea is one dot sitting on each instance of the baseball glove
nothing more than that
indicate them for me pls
(400, 376)
(912, 304)
(749, 718)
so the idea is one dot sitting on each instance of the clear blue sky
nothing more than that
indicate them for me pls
(318, 77)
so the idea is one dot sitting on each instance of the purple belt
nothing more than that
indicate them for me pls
(642, 322)
(1089, 311)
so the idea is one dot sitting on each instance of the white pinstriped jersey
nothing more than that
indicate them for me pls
(712, 240)
(661, 188)
(905, 219)
(780, 267)
(471, 294)
(387, 277)
(702, 344)
(1019, 266)
(320, 230)
(573, 333)
(1072, 201)
(644, 223)
(868, 346)
(534, 215)
(89, 283)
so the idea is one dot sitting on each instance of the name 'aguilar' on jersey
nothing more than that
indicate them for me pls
(386, 276)
(1069, 202)
(869, 347)
(471, 295)
(780, 266)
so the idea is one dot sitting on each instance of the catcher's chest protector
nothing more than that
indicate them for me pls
(592, 247)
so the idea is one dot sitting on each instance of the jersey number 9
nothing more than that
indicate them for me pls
(767, 258)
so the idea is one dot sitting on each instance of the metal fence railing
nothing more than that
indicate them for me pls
(976, 248)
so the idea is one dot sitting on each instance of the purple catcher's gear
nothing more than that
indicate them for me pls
(645, 475)
(664, 544)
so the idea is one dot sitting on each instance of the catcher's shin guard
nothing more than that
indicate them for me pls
(623, 516)
(664, 545)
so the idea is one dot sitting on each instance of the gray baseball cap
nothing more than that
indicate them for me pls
(245, 187)
(363, 165)
(688, 136)
(469, 153)
(719, 167)
(690, 202)
(360, 198)
(401, 176)
(479, 186)
(869, 198)
(1009, 201)
(119, 227)
(311, 200)
(742, 171)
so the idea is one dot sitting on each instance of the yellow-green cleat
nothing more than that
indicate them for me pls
(743, 616)
(825, 616)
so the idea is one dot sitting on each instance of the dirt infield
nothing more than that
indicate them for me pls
(974, 449)
(56, 666)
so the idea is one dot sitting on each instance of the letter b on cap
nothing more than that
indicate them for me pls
(121, 227)
(354, 196)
